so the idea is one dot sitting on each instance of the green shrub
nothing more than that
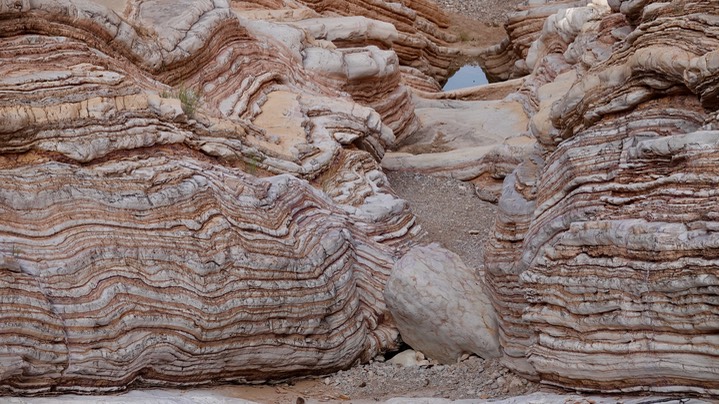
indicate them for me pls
(189, 99)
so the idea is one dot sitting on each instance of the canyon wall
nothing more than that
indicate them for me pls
(603, 271)
(192, 191)
(422, 43)
(190, 197)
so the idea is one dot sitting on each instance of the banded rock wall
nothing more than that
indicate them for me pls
(509, 59)
(149, 239)
(422, 40)
(603, 270)
(418, 31)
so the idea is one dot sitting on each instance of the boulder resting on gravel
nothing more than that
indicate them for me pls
(439, 305)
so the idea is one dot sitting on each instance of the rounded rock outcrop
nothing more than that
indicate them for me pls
(603, 270)
(189, 205)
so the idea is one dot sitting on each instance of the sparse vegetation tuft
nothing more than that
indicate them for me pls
(252, 162)
(189, 99)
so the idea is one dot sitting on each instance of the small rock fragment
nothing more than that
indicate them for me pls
(406, 358)
(516, 384)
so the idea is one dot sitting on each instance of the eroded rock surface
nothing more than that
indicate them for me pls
(603, 270)
(213, 397)
(515, 56)
(190, 196)
(417, 30)
(422, 41)
(204, 203)
(475, 141)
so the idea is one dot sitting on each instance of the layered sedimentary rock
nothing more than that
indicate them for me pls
(418, 31)
(144, 236)
(229, 396)
(476, 141)
(165, 272)
(509, 58)
(422, 38)
(603, 270)
(204, 202)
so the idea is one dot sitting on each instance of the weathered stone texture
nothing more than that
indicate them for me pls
(603, 270)
(145, 238)
(508, 59)
(440, 307)
(422, 39)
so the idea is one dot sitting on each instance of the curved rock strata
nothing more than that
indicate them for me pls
(603, 271)
(191, 273)
(418, 31)
(145, 236)
(422, 40)
(508, 59)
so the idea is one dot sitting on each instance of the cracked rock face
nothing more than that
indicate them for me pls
(193, 204)
(603, 270)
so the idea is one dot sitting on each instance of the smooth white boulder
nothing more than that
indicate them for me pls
(440, 307)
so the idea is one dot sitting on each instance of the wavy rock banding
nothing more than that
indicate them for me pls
(147, 285)
(603, 269)
(205, 204)
(513, 56)
(422, 40)
(190, 205)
